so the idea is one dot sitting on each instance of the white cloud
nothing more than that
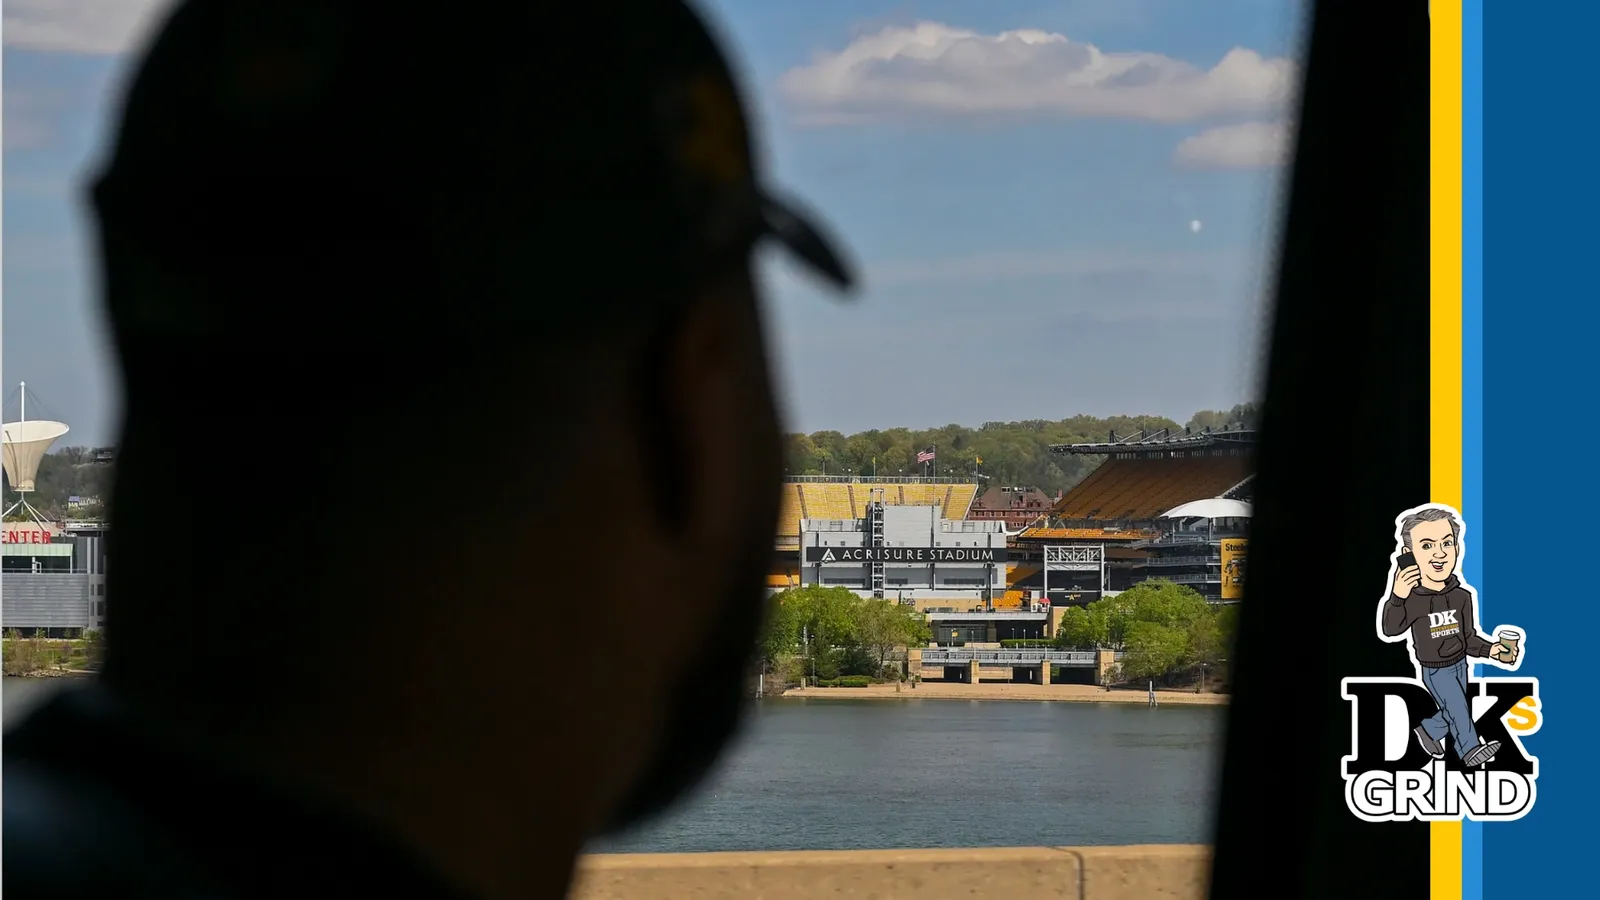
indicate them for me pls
(88, 27)
(1247, 145)
(932, 68)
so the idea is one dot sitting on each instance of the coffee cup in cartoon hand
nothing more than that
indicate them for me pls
(1508, 641)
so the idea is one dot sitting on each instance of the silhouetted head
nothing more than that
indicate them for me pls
(435, 327)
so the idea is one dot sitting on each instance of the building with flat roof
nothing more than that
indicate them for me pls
(908, 553)
(52, 577)
(846, 497)
(1203, 546)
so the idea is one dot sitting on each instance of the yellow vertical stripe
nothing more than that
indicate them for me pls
(1444, 382)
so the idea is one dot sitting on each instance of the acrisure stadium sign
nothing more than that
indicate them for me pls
(853, 555)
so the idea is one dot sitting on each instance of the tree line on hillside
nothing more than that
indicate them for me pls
(1012, 453)
(1164, 630)
(66, 473)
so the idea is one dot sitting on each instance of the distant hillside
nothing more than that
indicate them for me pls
(66, 473)
(1013, 453)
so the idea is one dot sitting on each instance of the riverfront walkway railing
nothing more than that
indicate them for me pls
(1012, 657)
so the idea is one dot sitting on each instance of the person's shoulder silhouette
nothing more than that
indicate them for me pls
(400, 292)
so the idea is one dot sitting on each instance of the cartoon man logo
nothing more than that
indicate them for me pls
(1430, 608)
(1442, 746)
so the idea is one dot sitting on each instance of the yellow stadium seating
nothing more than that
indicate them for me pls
(858, 495)
(841, 500)
(1010, 600)
(1146, 488)
(826, 501)
(922, 494)
(1019, 574)
(790, 512)
(959, 500)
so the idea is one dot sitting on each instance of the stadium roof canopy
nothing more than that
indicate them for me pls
(1209, 509)
(1164, 439)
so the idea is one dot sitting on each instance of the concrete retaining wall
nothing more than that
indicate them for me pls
(1017, 873)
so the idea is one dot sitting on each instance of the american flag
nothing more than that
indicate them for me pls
(926, 456)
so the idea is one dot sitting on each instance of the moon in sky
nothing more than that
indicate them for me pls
(1195, 226)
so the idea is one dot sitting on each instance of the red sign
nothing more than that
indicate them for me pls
(24, 536)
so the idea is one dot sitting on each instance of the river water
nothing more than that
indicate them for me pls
(839, 774)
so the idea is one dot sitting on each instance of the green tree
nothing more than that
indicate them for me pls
(1081, 629)
(863, 448)
(1205, 641)
(1172, 627)
(1246, 414)
(894, 461)
(1161, 627)
(854, 660)
(827, 614)
(1164, 603)
(1227, 619)
(834, 632)
(883, 626)
(780, 634)
(818, 623)
(1153, 650)
(1117, 614)
(1103, 623)
(801, 455)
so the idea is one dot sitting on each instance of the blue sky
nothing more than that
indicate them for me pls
(1021, 205)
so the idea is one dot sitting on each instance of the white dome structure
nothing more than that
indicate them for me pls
(25, 445)
(1216, 508)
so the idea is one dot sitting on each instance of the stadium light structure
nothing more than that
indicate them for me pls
(24, 446)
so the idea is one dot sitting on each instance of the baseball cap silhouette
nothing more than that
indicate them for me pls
(514, 162)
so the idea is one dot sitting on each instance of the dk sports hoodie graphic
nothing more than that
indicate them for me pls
(1441, 623)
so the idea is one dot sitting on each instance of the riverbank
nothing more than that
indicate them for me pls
(1066, 693)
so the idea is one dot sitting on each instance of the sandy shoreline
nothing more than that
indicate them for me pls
(1068, 693)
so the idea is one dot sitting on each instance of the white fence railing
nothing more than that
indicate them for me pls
(956, 657)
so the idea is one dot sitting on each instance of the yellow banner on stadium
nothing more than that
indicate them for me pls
(1233, 559)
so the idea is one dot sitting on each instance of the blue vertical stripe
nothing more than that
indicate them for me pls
(1472, 366)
